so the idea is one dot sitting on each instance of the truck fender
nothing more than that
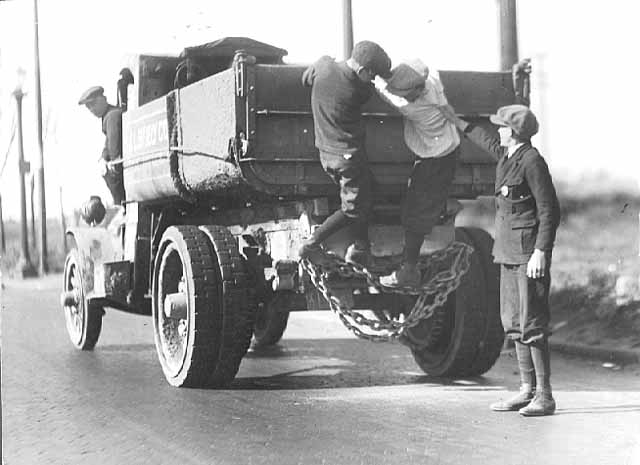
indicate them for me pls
(96, 246)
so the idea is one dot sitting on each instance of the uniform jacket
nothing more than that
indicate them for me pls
(527, 208)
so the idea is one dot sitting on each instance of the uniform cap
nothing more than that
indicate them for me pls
(372, 56)
(91, 94)
(517, 117)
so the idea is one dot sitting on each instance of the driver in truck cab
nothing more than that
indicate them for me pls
(111, 116)
(338, 91)
(527, 217)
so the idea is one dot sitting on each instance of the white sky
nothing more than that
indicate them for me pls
(585, 70)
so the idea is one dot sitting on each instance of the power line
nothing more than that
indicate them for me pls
(6, 156)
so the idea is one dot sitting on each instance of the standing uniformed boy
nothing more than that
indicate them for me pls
(338, 91)
(111, 116)
(527, 216)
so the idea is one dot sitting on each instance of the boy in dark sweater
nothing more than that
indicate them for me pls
(338, 91)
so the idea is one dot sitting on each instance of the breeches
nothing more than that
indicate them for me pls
(524, 303)
(427, 192)
(351, 172)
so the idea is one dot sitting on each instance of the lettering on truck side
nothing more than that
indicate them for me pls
(147, 134)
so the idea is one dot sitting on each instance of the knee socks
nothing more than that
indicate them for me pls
(412, 244)
(338, 220)
(525, 364)
(542, 364)
(361, 232)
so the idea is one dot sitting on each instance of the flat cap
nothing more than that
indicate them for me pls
(372, 56)
(404, 79)
(90, 94)
(517, 117)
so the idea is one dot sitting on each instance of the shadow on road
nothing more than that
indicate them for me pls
(302, 379)
(340, 363)
(299, 364)
(599, 409)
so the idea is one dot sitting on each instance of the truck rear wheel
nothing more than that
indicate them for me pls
(237, 301)
(199, 292)
(458, 333)
(272, 317)
(83, 320)
(491, 345)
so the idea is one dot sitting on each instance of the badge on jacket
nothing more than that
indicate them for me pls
(504, 190)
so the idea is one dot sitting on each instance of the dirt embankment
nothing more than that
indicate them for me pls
(595, 296)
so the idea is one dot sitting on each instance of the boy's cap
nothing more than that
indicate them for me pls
(405, 79)
(91, 94)
(372, 56)
(517, 117)
(419, 67)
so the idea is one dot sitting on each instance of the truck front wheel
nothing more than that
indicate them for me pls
(83, 319)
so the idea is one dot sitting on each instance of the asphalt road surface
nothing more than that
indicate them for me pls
(320, 397)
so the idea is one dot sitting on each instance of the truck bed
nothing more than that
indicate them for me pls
(247, 133)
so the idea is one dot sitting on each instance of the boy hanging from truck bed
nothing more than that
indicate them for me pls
(338, 91)
(435, 142)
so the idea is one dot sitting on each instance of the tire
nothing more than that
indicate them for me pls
(453, 351)
(203, 349)
(238, 304)
(491, 345)
(83, 320)
(271, 320)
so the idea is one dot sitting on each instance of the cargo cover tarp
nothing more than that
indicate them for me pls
(227, 46)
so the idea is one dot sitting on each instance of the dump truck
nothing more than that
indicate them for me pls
(223, 182)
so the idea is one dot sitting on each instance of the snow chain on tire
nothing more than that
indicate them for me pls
(432, 293)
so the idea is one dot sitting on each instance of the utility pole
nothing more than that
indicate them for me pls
(63, 223)
(508, 34)
(3, 242)
(508, 57)
(24, 267)
(32, 185)
(347, 29)
(44, 265)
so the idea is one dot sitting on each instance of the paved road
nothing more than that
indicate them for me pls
(321, 397)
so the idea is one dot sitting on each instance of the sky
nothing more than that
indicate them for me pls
(583, 82)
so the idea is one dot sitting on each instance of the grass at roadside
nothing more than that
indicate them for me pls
(56, 253)
(597, 247)
(597, 243)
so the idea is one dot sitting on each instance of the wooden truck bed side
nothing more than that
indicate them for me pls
(247, 132)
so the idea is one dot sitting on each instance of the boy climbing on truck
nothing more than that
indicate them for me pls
(338, 91)
(434, 141)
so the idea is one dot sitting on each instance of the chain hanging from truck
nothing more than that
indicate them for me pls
(452, 262)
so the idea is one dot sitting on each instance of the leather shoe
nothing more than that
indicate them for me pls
(312, 251)
(404, 276)
(358, 254)
(520, 400)
(541, 405)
